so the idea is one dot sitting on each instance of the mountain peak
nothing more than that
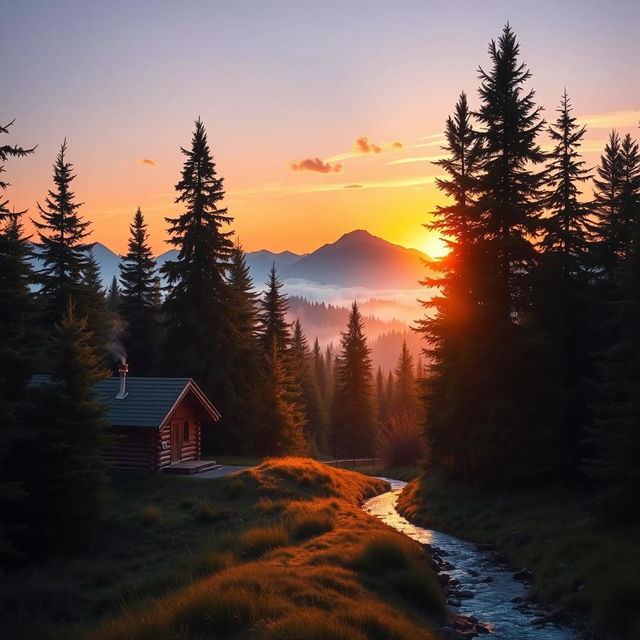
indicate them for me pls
(358, 235)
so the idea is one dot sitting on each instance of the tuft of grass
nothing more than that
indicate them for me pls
(150, 515)
(204, 510)
(309, 519)
(257, 541)
(312, 625)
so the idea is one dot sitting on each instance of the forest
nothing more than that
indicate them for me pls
(530, 375)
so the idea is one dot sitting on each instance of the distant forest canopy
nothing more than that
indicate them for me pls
(385, 337)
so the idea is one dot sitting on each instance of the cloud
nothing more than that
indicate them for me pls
(397, 145)
(147, 162)
(316, 165)
(280, 189)
(417, 159)
(362, 145)
(611, 119)
(353, 186)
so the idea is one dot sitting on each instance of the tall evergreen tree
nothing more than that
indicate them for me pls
(92, 304)
(198, 339)
(562, 316)
(66, 482)
(615, 436)
(273, 325)
(405, 398)
(8, 151)
(608, 229)
(113, 296)
(248, 372)
(304, 371)
(61, 231)
(282, 418)
(564, 229)
(353, 431)
(138, 303)
(319, 368)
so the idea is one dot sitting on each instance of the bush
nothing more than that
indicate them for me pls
(255, 542)
(206, 511)
(401, 442)
(150, 515)
(308, 519)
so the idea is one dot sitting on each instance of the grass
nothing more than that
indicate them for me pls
(281, 550)
(580, 564)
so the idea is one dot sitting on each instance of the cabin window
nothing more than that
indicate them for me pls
(185, 432)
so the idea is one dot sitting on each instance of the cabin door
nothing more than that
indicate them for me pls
(176, 441)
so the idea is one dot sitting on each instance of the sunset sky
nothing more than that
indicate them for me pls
(322, 117)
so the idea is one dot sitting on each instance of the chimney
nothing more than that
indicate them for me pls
(124, 368)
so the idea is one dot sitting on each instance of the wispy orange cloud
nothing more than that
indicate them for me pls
(147, 162)
(611, 119)
(316, 165)
(362, 145)
(353, 186)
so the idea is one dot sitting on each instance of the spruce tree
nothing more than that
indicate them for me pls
(138, 300)
(198, 340)
(92, 304)
(66, 482)
(113, 296)
(353, 430)
(304, 371)
(8, 151)
(61, 232)
(282, 419)
(247, 373)
(405, 400)
(607, 226)
(564, 229)
(319, 368)
(562, 315)
(615, 437)
(273, 325)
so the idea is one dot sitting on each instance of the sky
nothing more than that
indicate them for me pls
(322, 117)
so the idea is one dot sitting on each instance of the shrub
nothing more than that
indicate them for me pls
(206, 511)
(255, 542)
(150, 515)
(312, 625)
(308, 519)
(401, 442)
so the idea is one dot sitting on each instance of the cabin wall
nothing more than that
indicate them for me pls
(133, 449)
(188, 411)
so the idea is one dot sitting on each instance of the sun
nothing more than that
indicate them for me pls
(433, 245)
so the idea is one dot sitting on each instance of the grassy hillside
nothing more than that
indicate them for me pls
(588, 567)
(266, 553)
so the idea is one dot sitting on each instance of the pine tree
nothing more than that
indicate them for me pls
(19, 341)
(282, 420)
(353, 432)
(405, 400)
(608, 228)
(615, 436)
(66, 482)
(382, 404)
(510, 200)
(564, 228)
(273, 325)
(92, 304)
(138, 299)
(304, 371)
(198, 339)
(562, 314)
(61, 249)
(247, 374)
(7, 151)
(319, 368)
(113, 296)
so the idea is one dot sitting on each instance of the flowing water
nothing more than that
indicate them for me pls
(489, 587)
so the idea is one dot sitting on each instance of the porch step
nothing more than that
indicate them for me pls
(189, 467)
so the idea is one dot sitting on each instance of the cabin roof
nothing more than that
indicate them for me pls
(148, 402)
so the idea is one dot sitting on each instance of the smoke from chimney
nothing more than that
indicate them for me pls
(123, 370)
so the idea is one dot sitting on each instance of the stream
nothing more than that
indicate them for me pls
(487, 591)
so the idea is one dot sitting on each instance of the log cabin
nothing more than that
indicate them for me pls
(156, 422)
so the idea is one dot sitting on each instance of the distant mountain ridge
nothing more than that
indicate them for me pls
(356, 259)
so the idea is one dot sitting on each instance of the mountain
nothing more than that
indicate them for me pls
(259, 262)
(359, 259)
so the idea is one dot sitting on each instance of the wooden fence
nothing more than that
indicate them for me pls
(354, 463)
